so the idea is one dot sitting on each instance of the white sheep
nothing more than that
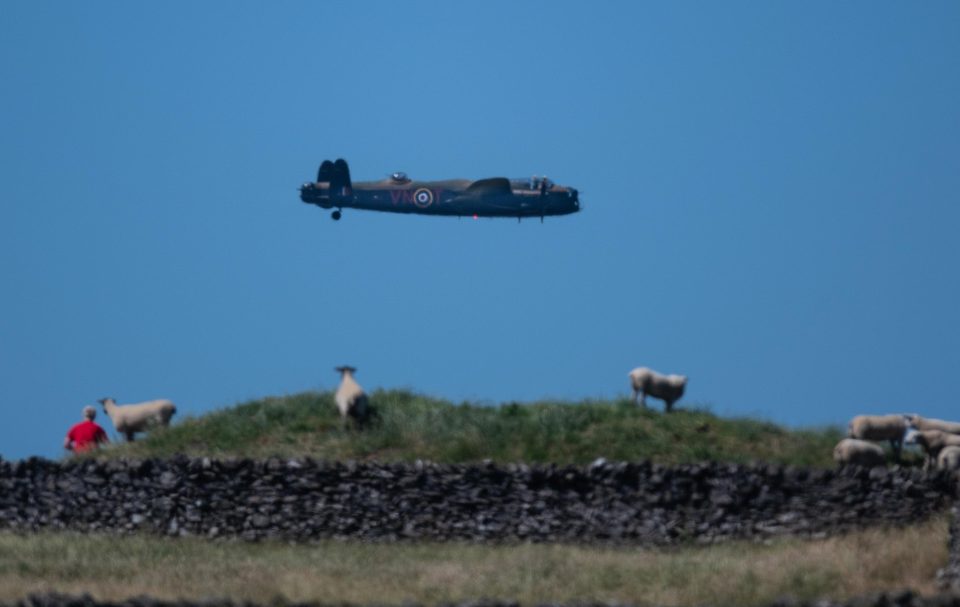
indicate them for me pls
(350, 397)
(933, 442)
(668, 388)
(879, 428)
(137, 417)
(925, 423)
(949, 458)
(858, 452)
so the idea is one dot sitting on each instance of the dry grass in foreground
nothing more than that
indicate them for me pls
(738, 573)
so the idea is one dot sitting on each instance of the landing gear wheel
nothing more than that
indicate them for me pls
(335, 215)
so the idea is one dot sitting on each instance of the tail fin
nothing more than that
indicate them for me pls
(340, 186)
(325, 172)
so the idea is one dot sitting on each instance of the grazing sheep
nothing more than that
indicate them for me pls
(924, 423)
(350, 397)
(879, 428)
(130, 419)
(949, 458)
(668, 388)
(933, 441)
(858, 452)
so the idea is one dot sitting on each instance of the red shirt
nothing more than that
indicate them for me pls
(86, 435)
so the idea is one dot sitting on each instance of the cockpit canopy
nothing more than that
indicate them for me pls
(399, 177)
(532, 183)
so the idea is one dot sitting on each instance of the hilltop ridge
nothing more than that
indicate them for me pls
(410, 426)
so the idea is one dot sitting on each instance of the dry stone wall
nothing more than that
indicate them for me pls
(948, 578)
(306, 500)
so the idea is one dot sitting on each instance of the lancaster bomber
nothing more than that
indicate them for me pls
(492, 197)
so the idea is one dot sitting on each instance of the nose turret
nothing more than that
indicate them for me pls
(574, 199)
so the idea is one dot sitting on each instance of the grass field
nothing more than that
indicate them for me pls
(411, 426)
(739, 573)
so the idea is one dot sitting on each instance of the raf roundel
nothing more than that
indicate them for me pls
(423, 198)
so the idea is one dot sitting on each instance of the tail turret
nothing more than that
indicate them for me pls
(332, 188)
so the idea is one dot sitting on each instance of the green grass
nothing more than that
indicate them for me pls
(734, 574)
(409, 426)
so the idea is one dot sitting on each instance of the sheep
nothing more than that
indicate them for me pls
(924, 423)
(949, 458)
(879, 428)
(130, 419)
(350, 397)
(668, 388)
(933, 442)
(858, 452)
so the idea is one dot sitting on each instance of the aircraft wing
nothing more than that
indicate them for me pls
(488, 187)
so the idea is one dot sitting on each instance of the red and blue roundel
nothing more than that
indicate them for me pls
(423, 198)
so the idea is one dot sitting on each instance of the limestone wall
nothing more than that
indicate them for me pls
(305, 500)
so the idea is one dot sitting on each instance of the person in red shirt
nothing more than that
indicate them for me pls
(86, 435)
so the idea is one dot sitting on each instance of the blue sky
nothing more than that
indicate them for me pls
(770, 195)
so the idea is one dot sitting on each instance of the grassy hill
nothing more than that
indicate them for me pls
(410, 426)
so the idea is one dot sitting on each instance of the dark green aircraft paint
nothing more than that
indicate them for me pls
(494, 197)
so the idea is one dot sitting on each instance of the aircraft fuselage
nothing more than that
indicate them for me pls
(437, 198)
(495, 197)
